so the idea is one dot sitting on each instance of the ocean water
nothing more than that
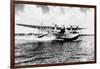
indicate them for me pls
(52, 52)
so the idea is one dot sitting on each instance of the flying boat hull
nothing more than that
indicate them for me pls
(68, 37)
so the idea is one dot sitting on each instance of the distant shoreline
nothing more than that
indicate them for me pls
(24, 34)
(86, 34)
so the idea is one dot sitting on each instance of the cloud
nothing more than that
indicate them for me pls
(84, 10)
(45, 9)
(62, 10)
(19, 7)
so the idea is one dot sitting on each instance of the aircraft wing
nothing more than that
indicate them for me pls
(75, 28)
(80, 28)
(38, 27)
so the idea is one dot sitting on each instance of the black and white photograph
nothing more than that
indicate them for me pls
(53, 34)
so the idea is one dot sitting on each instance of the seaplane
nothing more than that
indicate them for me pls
(55, 32)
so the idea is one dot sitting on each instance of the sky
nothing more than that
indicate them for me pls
(49, 15)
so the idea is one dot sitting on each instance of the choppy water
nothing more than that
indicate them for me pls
(30, 52)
